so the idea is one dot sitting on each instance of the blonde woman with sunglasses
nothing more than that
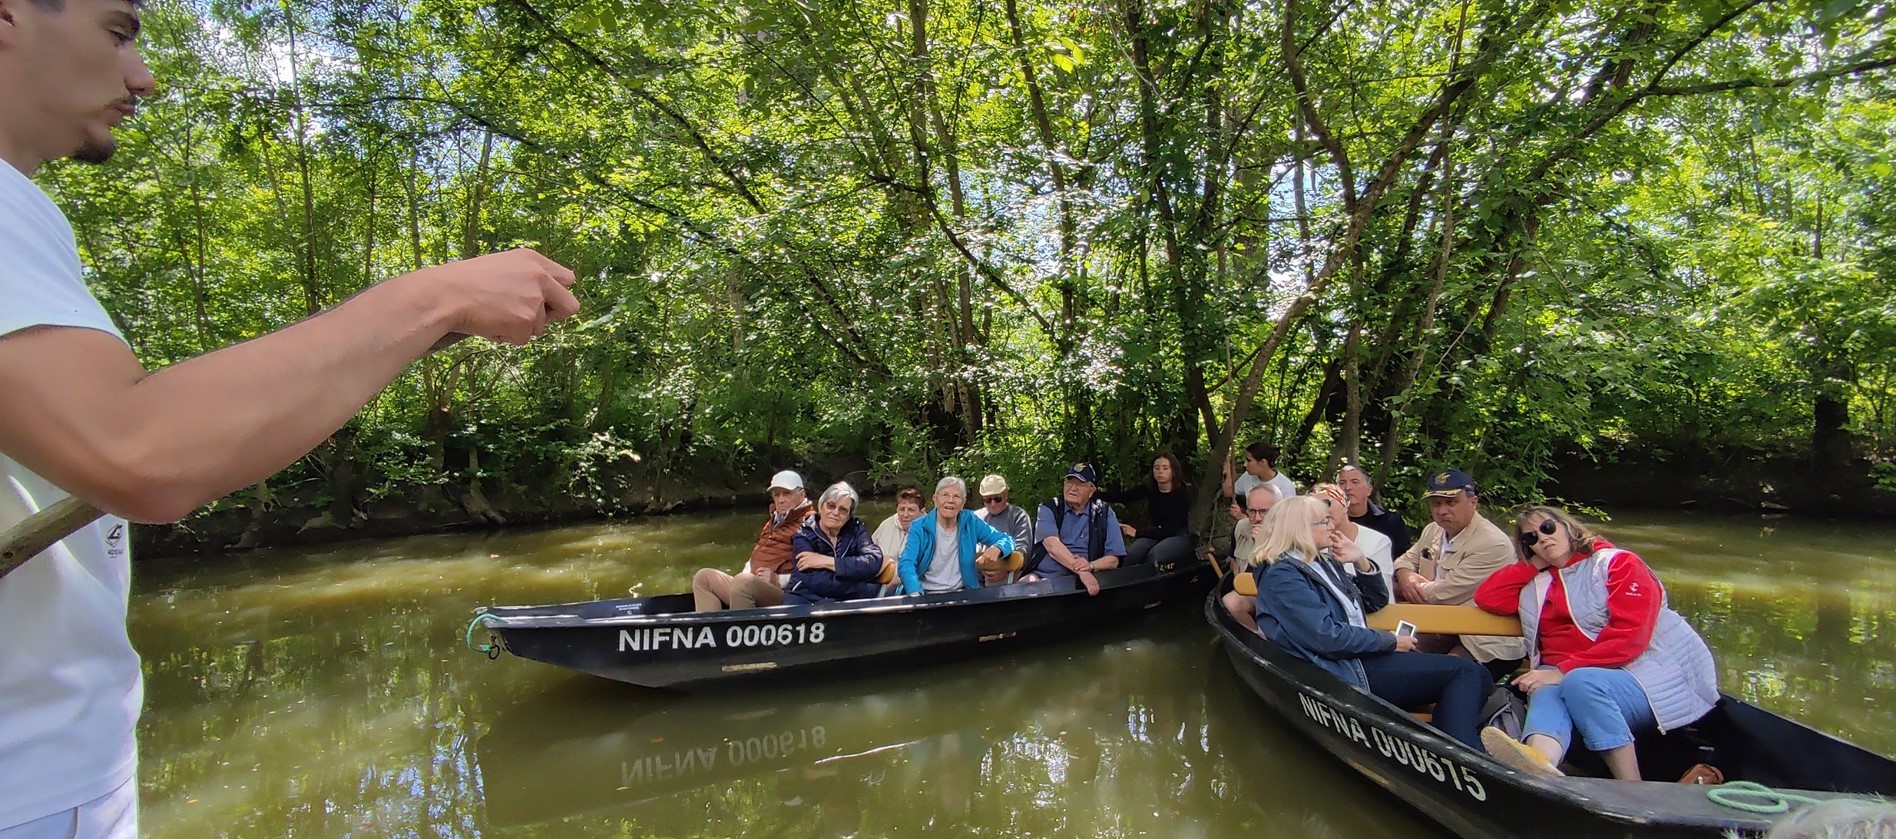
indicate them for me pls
(1610, 658)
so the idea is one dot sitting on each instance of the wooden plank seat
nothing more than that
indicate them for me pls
(1446, 620)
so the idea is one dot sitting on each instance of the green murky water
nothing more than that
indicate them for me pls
(323, 693)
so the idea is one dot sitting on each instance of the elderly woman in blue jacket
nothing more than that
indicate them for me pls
(1314, 587)
(942, 547)
(836, 559)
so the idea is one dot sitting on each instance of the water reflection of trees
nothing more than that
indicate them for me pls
(1821, 657)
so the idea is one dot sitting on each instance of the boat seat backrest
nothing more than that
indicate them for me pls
(1244, 584)
(1444, 620)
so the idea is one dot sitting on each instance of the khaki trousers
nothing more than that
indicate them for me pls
(712, 590)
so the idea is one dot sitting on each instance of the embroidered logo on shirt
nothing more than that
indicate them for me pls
(1633, 590)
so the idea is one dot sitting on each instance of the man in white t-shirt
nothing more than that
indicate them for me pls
(1260, 469)
(82, 416)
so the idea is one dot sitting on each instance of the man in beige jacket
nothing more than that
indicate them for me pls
(1456, 551)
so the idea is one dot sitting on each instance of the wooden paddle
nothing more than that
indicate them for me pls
(41, 530)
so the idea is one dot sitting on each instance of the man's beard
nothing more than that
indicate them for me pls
(92, 151)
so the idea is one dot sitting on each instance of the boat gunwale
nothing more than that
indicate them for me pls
(538, 616)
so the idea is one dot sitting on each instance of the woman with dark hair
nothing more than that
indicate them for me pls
(1610, 658)
(1166, 538)
(836, 559)
(1314, 589)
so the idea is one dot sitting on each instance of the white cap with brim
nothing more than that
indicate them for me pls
(786, 480)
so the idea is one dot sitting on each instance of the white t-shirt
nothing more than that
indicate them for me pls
(1285, 488)
(1377, 547)
(70, 687)
(944, 568)
(1242, 486)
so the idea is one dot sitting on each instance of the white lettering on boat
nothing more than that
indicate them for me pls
(736, 636)
(1344, 724)
(666, 637)
(1394, 746)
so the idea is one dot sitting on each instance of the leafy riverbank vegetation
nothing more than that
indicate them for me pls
(1004, 234)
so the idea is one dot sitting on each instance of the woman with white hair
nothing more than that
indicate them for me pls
(942, 548)
(836, 559)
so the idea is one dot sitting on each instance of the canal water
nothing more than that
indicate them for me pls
(330, 692)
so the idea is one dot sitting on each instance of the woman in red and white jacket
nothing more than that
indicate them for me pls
(1609, 656)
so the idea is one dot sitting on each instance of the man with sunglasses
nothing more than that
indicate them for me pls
(998, 511)
(1456, 551)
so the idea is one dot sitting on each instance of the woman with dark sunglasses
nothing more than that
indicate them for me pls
(1609, 657)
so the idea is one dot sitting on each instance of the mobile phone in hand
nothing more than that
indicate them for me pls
(1405, 629)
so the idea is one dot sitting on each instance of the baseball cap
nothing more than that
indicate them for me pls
(1449, 483)
(1083, 471)
(786, 480)
(993, 485)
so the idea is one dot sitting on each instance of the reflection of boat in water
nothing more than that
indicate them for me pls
(1474, 795)
(662, 757)
(661, 642)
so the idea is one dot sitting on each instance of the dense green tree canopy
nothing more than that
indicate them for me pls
(1001, 234)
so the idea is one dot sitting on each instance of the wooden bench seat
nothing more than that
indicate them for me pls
(1445, 620)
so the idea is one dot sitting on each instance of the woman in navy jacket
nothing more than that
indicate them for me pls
(1311, 605)
(836, 559)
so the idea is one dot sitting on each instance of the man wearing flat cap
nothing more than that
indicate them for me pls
(1079, 534)
(1456, 551)
(1000, 513)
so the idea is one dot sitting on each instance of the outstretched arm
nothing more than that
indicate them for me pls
(81, 410)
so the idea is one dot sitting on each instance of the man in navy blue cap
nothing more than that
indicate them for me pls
(1079, 534)
(1456, 551)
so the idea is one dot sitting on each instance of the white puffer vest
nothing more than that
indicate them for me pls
(1675, 671)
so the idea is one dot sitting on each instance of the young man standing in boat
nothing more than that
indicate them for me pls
(772, 559)
(1260, 467)
(82, 417)
(1456, 551)
(1079, 534)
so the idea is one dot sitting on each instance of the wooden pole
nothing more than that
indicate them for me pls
(41, 530)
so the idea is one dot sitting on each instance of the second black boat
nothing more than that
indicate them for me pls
(1476, 796)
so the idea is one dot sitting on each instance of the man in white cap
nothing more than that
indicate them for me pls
(1000, 513)
(771, 560)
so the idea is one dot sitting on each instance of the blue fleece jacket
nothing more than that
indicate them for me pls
(970, 533)
(1297, 612)
(858, 561)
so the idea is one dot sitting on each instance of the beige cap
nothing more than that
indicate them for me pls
(993, 485)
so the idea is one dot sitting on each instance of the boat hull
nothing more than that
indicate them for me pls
(658, 642)
(1474, 795)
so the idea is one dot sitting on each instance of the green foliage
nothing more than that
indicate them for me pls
(1000, 237)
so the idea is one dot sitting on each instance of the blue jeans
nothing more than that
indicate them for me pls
(1457, 686)
(1605, 703)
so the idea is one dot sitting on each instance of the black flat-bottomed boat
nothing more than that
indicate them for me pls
(660, 642)
(1477, 796)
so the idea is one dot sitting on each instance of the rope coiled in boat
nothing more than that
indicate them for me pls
(1755, 798)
